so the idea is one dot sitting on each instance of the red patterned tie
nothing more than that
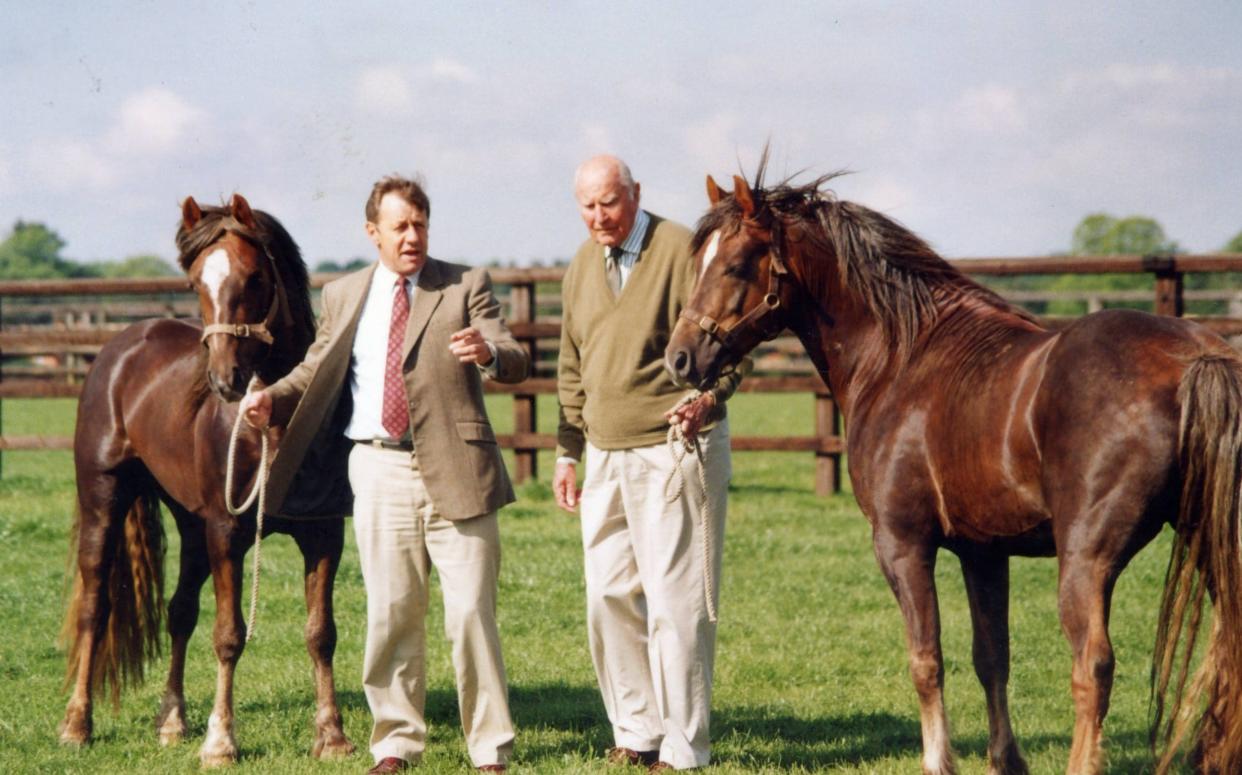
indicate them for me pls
(395, 416)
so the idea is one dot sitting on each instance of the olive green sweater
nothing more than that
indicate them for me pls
(611, 380)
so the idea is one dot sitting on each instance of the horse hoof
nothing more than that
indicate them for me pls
(214, 761)
(75, 734)
(170, 724)
(75, 738)
(171, 737)
(333, 749)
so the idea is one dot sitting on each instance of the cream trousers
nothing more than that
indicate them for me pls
(647, 619)
(400, 538)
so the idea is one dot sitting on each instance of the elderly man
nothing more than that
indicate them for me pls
(399, 359)
(651, 563)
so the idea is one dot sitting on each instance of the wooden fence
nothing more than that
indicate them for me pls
(80, 333)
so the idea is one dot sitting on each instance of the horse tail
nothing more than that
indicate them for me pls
(131, 605)
(1205, 562)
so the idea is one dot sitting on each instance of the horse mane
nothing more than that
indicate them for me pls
(275, 241)
(895, 272)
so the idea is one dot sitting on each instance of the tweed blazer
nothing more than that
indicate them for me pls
(457, 452)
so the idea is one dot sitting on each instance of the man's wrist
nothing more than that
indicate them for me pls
(566, 459)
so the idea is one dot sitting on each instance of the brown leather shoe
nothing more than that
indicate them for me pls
(389, 764)
(661, 767)
(630, 757)
(493, 768)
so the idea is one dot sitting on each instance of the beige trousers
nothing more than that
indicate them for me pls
(647, 619)
(400, 537)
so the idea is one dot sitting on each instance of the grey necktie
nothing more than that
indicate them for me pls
(612, 269)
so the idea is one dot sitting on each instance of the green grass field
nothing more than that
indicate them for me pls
(811, 668)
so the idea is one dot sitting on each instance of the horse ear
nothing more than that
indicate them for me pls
(239, 208)
(191, 213)
(741, 192)
(714, 194)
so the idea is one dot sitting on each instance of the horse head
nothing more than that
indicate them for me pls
(742, 295)
(239, 290)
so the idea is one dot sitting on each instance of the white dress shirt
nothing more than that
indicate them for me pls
(370, 355)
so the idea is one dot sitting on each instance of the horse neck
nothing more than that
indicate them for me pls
(294, 331)
(846, 343)
(287, 351)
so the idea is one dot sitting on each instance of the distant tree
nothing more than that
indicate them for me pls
(145, 265)
(32, 252)
(329, 265)
(1100, 234)
(1215, 281)
(1234, 245)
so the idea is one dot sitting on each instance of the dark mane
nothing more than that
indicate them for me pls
(272, 237)
(893, 270)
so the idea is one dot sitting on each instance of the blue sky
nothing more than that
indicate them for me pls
(989, 128)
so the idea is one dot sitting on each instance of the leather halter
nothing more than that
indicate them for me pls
(261, 331)
(762, 319)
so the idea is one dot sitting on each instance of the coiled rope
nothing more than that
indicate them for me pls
(679, 445)
(258, 493)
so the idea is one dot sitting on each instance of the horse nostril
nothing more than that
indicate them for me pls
(681, 362)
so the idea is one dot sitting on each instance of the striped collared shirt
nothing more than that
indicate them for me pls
(627, 252)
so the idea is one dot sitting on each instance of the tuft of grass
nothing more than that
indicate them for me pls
(811, 668)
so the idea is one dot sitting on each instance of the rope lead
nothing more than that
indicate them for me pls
(260, 493)
(679, 446)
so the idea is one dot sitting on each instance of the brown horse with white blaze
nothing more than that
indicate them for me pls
(972, 427)
(154, 422)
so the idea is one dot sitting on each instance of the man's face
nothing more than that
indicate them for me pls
(400, 234)
(607, 207)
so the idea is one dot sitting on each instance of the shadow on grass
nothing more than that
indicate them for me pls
(756, 737)
(747, 737)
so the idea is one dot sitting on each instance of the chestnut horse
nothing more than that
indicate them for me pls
(154, 422)
(972, 427)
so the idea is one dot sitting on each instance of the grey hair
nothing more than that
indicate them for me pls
(623, 171)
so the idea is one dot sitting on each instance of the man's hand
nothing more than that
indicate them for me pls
(691, 416)
(470, 347)
(565, 486)
(256, 408)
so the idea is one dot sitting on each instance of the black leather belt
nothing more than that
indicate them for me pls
(404, 446)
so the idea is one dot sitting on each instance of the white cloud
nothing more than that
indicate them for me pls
(597, 138)
(886, 194)
(67, 164)
(385, 90)
(6, 169)
(153, 121)
(991, 108)
(713, 141)
(451, 70)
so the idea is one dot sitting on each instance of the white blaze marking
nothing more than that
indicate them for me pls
(710, 254)
(215, 270)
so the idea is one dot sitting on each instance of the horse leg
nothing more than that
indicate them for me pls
(226, 546)
(182, 619)
(90, 607)
(909, 566)
(1085, 588)
(321, 544)
(987, 589)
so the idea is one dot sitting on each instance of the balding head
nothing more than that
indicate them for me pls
(607, 198)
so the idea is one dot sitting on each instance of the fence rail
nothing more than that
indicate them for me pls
(82, 336)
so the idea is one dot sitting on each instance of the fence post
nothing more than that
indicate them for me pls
(827, 464)
(522, 310)
(1169, 285)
